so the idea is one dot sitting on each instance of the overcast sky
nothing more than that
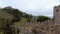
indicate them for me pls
(34, 7)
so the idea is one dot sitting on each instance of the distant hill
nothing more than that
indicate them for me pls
(16, 13)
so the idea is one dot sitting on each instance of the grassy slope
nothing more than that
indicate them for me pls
(23, 20)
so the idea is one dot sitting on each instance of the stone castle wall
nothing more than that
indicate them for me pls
(57, 15)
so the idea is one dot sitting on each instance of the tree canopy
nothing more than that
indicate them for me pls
(42, 18)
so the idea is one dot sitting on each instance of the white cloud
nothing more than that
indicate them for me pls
(35, 7)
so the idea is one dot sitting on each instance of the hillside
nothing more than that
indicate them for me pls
(10, 16)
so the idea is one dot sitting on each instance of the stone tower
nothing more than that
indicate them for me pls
(57, 15)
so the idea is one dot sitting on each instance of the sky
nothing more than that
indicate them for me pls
(34, 7)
